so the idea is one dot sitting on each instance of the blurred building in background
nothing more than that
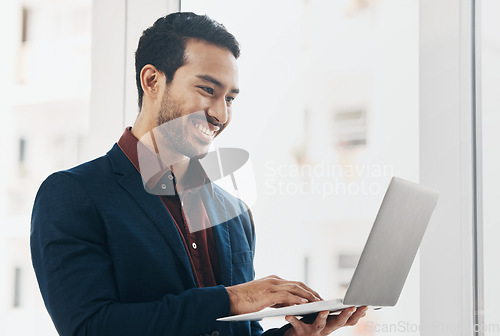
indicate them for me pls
(46, 112)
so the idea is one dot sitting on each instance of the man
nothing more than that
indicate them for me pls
(116, 256)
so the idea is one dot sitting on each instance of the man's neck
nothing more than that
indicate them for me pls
(177, 163)
(142, 130)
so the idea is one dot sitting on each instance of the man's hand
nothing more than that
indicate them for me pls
(271, 291)
(324, 324)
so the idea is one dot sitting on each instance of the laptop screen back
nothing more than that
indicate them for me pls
(392, 244)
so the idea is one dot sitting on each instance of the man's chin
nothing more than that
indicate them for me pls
(198, 151)
(201, 154)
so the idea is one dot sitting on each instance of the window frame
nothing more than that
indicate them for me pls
(450, 159)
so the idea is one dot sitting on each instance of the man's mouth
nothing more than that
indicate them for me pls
(205, 128)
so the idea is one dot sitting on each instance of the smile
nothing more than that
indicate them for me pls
(203, 129)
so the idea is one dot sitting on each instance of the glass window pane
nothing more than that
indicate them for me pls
(328, 110)
(45, 66)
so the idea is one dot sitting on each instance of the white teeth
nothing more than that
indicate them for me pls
(204, 130)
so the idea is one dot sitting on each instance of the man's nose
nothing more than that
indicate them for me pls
(218, 111)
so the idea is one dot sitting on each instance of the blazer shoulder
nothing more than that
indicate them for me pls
(92, 175)
(91, 169)
(98, 169)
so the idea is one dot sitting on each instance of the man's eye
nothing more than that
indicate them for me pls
(229, 100)
(207, 89)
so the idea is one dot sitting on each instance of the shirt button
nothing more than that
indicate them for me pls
(170, 177)
(163, 186)
(194, 246)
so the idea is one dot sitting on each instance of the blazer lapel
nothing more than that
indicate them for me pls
(151, 204)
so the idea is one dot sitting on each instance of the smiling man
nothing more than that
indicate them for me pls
(203, 89)
(115, 254)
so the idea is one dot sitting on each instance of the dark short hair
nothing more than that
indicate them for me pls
(164, 43)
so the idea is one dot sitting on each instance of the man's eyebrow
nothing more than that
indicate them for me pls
(210, 79)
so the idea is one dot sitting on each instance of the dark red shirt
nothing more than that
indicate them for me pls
(187, 211)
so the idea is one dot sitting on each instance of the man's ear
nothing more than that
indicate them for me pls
(150, 81)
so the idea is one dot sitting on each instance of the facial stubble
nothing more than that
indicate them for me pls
(173, 126)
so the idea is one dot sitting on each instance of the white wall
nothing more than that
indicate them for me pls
(490, 103)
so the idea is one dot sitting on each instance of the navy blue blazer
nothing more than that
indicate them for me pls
(110, 261)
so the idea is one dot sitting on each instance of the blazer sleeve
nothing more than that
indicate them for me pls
(75, 274)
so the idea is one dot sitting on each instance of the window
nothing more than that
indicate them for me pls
(46, 54)
(330, 89)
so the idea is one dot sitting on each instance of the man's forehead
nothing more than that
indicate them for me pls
(204, 59)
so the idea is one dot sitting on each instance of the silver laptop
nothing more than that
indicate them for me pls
(386, 259)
